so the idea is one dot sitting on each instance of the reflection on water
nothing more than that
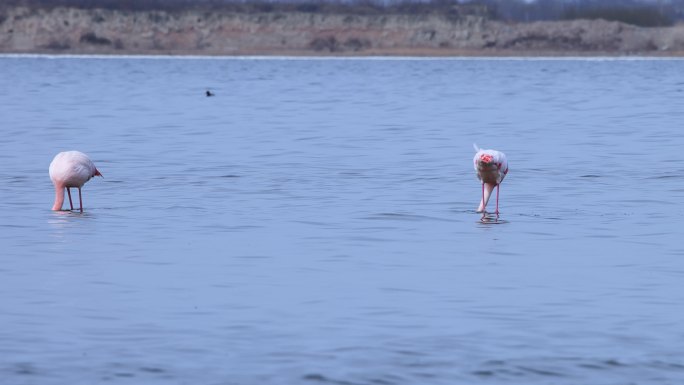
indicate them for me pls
(63, 221)
(314, 222)
(491, 218)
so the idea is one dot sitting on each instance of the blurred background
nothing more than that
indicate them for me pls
(364, 27)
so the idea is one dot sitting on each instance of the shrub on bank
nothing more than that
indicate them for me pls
(640, 16)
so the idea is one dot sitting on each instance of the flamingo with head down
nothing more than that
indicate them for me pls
(491, 167)
(70, 169)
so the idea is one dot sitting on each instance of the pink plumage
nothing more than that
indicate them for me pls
(70, 169)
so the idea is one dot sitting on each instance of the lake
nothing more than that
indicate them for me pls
(314, 222)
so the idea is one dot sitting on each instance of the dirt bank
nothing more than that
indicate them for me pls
(99, 31)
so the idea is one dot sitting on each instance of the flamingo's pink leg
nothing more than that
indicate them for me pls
(497, 199)
(483, 198)
(484, 213)
(80, 200)
(70, 203)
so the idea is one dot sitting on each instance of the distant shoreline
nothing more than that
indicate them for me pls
(553, 55)
(123, 56)
(75, 31)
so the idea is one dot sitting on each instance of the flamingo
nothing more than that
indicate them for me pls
(70, 169)
(491, 167)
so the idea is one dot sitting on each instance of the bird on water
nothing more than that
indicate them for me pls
(491, 167)
(70, 169)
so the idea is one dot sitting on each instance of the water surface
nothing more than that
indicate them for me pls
(313, 223)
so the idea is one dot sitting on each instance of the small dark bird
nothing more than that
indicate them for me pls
(209, 93)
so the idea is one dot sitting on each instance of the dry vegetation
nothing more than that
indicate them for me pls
(438, 27)
(635, 12)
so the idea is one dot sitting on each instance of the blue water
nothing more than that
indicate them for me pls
(314, 223)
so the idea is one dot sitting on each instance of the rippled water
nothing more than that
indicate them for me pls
(313, 223)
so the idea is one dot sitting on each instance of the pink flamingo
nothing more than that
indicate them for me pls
(70, 169)
(491, 167)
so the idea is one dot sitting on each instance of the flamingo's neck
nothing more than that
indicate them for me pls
(59, 197)
(487, 189)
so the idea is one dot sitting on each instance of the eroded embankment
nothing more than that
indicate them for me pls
(70, 30)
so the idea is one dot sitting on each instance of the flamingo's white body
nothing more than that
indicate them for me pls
(491, 167)
(70, 169)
